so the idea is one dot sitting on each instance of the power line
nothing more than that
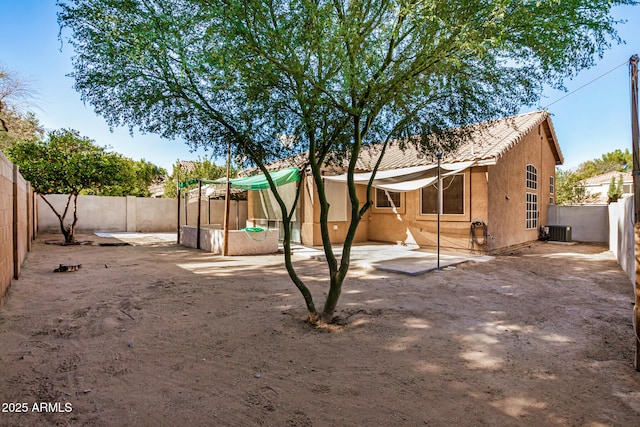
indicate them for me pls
(586, 84)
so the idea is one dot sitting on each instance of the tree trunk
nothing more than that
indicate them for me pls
(68, 231)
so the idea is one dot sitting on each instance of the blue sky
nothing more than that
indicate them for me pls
(589, 122)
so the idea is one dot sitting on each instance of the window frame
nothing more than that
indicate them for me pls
(391, 202)
(531, 177)
(464, 199)
(531, 211)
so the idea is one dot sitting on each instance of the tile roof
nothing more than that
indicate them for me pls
(605, 178)
(484, 142)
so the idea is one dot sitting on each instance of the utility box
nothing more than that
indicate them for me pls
(560, 233)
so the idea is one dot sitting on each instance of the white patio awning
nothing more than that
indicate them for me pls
(405, 179)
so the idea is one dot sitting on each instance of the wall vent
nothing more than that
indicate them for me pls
(560, 233)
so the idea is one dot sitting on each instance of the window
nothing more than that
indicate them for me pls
(552, 185)
(452, 197)
(336, 193)
(387, 199)
(532, 177)
(532, 211)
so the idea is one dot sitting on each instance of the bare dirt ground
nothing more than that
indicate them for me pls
(165, 335)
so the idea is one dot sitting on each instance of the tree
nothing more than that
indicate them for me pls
(184, 171)
(614, 161)
(570, 190)
(15, 124)
(66, 163)
(137, 177)
(276, 79)
(615, 191)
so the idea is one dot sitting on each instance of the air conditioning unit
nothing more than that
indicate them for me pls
(560, 233)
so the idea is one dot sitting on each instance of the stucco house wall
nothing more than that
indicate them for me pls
(508, 189)
(495, 190)
(407, 225)
(310, 227)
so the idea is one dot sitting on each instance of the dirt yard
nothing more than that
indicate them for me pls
(163, 335)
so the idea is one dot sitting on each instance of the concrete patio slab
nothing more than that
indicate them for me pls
(410, 259)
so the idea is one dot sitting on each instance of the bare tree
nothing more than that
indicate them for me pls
(16, 122)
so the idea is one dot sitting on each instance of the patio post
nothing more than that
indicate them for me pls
(439, 156)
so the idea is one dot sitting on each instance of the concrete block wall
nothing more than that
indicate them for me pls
(589, 223)
(137, 214)
(16, 223)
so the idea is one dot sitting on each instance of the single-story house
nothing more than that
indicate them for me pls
(496, 187)
(598, 186)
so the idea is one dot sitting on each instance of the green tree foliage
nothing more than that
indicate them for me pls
(184, 171)
(615, 191)
(66, 163)
(273, 79)
(570, 190)
(137, 176)
(614, 161)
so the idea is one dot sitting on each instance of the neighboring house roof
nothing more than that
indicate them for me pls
(485, 144)
(605, 178)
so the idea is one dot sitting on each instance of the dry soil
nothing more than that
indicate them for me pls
(159, 334)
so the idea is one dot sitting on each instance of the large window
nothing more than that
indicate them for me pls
(387, 199)
(532, 211)
(452, 196)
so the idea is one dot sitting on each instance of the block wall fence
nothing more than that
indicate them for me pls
(18, 220)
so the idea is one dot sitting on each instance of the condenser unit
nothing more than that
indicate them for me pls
(560, 233)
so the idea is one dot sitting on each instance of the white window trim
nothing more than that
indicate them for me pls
(527, 180)
(537, 216)
(464, 199)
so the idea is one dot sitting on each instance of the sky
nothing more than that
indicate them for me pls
(592, 118)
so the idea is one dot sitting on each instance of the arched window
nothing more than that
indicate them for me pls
(532, 177)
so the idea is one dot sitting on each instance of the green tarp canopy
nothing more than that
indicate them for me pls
(256, 182)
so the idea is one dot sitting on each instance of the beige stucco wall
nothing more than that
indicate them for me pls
(507, 190)
(310, 231)
(406, 225)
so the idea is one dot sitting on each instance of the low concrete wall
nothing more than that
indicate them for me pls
(111, 213)
(588, 222)
(240, 242)
(17, 223)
